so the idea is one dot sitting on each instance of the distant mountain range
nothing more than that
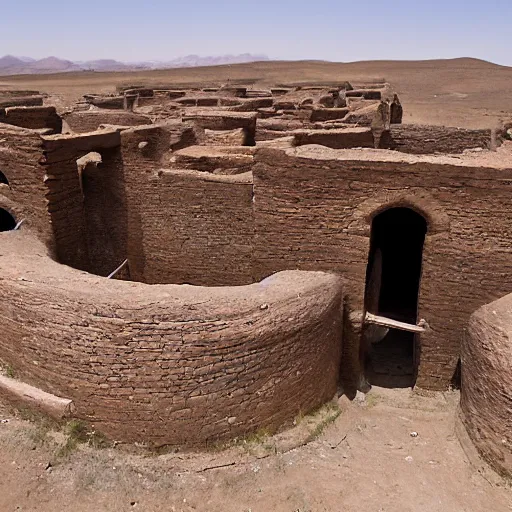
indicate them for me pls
(10, 65)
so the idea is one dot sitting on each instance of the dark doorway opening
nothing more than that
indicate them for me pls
(3, 179)
(7, 221)
(392, 288)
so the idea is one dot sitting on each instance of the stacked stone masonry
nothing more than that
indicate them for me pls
(245, 217)
(170, 365)
(486, 401)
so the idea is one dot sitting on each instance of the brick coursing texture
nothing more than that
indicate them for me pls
(309, 209)
(217, 160)
(222, 120)
(21, 101)
(24, 198)
(336, 139)
(486, 400)
(313, 210)
(82, 215)
(198, 228)
(88, 121)
(32, 118)
(172, 226)
(144, 151)
(185, 226)
(169, 364)
(105, 212)
(90, 220)
(419, 139)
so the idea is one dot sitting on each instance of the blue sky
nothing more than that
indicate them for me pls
(343, 31)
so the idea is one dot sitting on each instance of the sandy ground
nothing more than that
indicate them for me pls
(458, 92)
(364, 461)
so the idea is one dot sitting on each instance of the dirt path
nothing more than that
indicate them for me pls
(365, 461)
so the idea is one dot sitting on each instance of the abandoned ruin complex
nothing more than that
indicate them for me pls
(271, 247)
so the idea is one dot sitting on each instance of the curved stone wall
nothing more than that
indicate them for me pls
(486, 402)
(169, 364)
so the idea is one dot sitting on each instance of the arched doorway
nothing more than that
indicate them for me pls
(7, 221)
(392, 289)
(3, 179)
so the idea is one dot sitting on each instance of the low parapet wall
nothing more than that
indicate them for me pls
(21, 101)
(420, 139)
(90, 120)
(167, 364)
(486, 401)
(336, 139)
(32, 117)
(224, 120)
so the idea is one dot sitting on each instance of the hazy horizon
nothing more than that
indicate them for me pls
(267, 59)
(329, 30)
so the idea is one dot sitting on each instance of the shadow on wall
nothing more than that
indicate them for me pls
(90, 209)
(3, 179)
(172, 365)
(86, 200)
(105, 212)
(393, 279)
(7, 221)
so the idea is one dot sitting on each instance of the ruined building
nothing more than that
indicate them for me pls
(186, 266)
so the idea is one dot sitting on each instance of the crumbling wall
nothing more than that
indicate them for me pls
(343, 138)
(90, 120)
(88, 210)
(486, 399)
(198, 228)
(270, 129)
(144, 151)
(222, 120)
(175, 365)
(215, 159)
(104, 199)
(313, 210)
(20, 101)
(24, 195)
(328, 114)
(106, 102)
(32, 117)
(419, 139)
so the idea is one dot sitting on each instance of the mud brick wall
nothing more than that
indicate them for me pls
(113, 102)
(313, 211)
(169, 364)
(216, 160)
(32, 117)
(366, 94)
(89, 121)
(21, 101)
(104, 200)
(17, 93)
(328, 114)
(222, 120)
(486, 399)
(24, 197)
(337, 139)
(198, 229)
(252, 104)
(93, 212)
(145, 150)
(419, 139)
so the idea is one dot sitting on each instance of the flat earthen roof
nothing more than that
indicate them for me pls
(499, 159)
